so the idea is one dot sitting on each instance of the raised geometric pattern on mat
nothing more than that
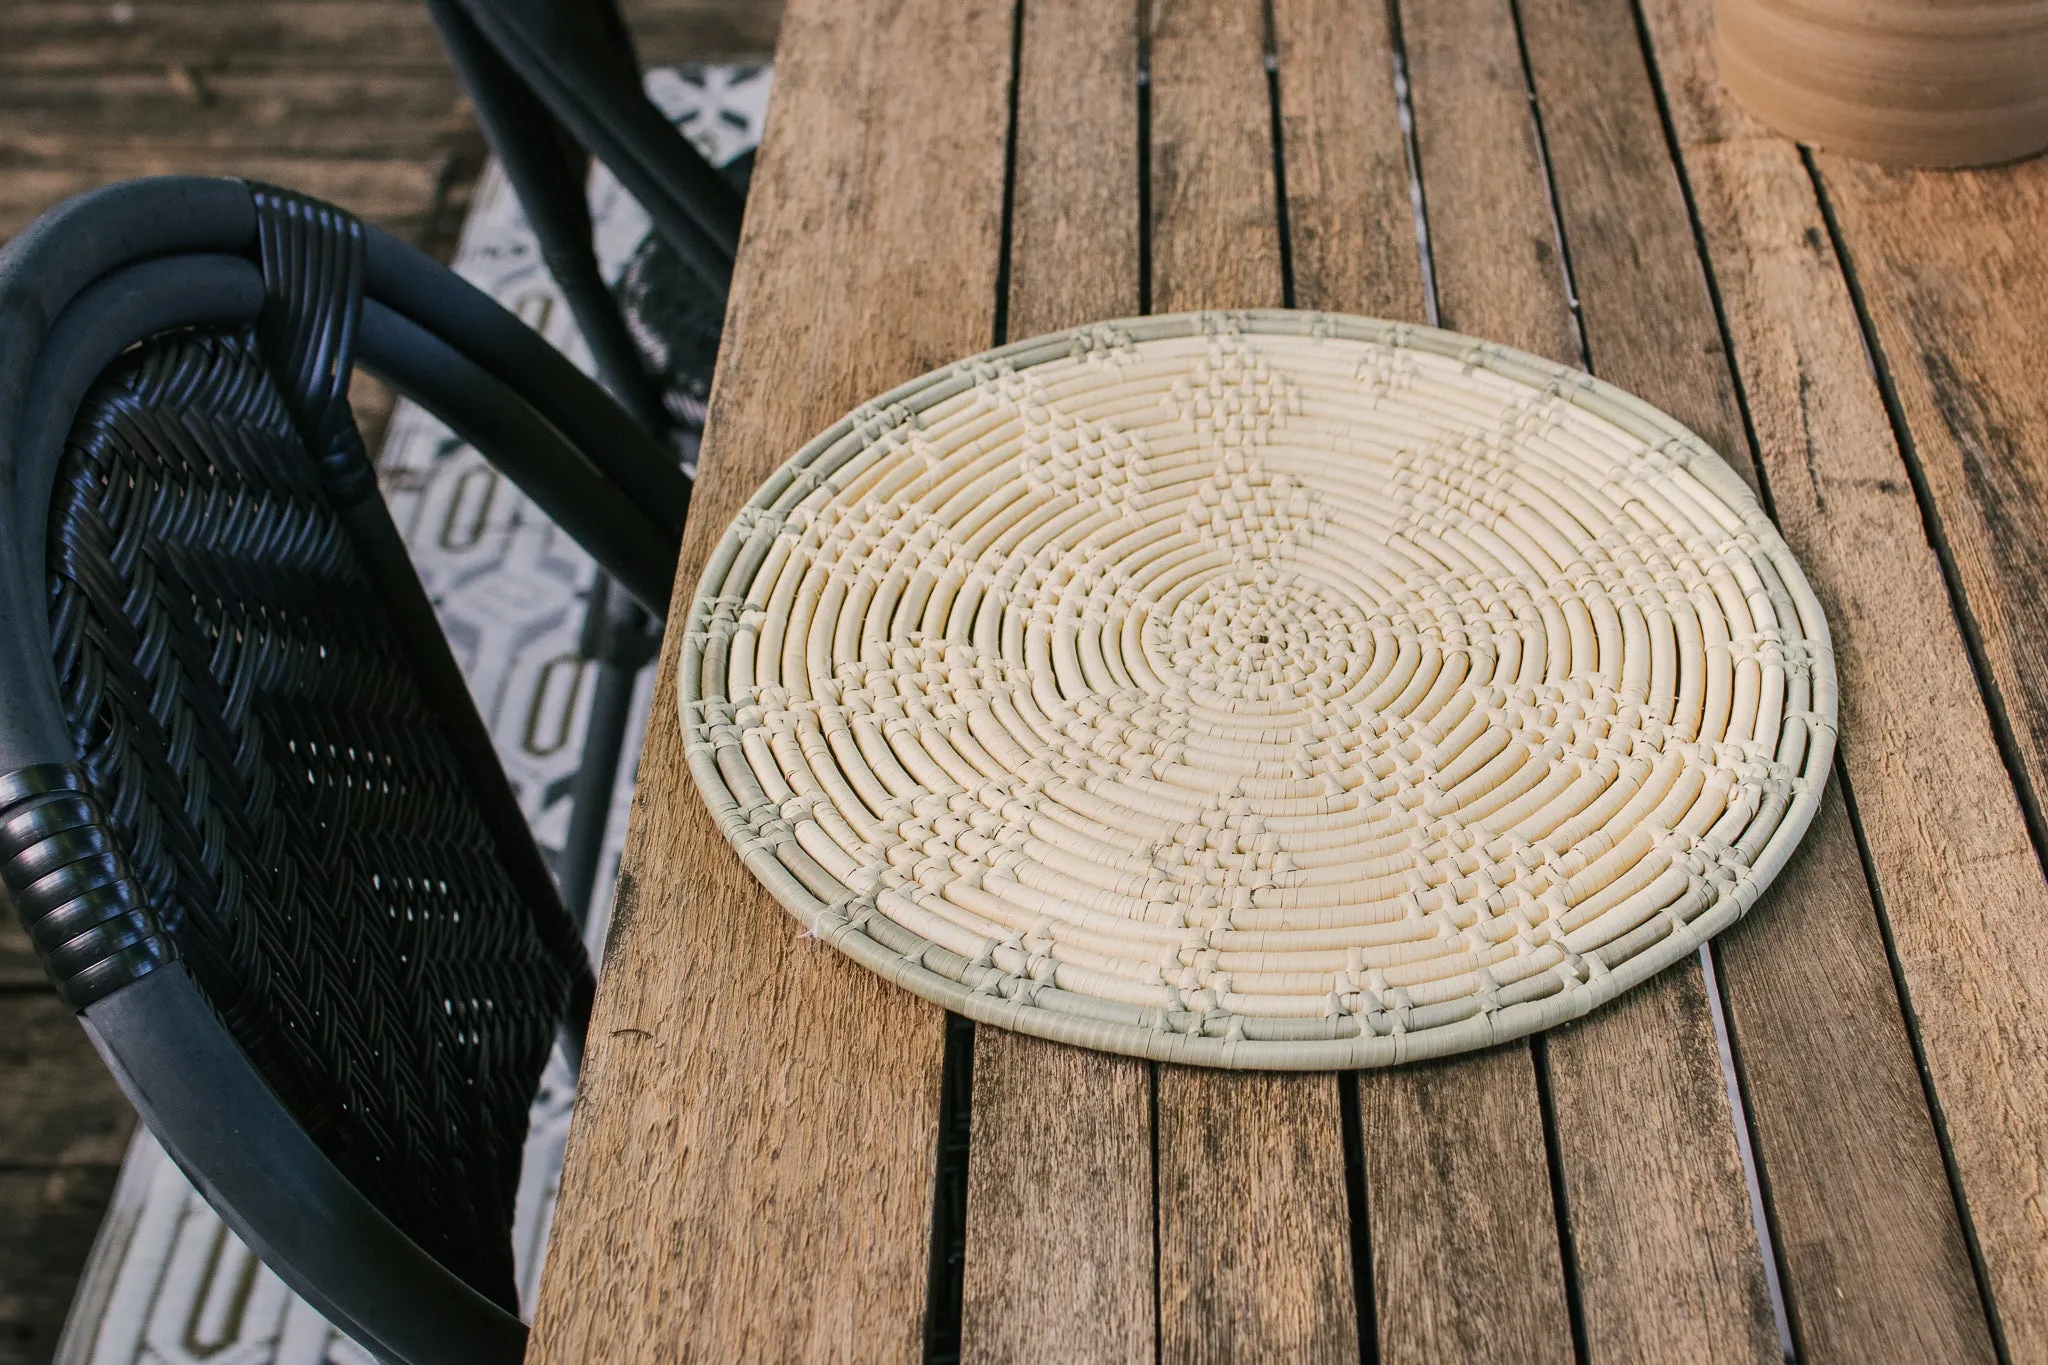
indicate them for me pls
(1260, 689)
(168, 1283)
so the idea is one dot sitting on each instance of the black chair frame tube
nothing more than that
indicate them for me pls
(98, 232)
(547, 170)
(596, 93)
(548, 179)
(490, 416)
(242, 1149)
(409, 282)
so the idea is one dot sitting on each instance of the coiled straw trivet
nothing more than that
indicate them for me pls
(1262, 689)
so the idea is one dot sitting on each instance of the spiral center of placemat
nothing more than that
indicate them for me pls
(1260, 689)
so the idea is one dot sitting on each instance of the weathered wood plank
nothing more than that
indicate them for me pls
(1215, 218)
(1059, 1206)
(1493, 242)
(56, 118)
(668, 32)
(1875, 1263)
(387, 35)
(1875, 1258)
(1463, 1239)
(1059, 1213)
(62, 1107)
(1668, 1261)
(50, 1218)
(1254, 1254)
(98, 38)
(1074, 217)
(1955, 274)
(1350, 227)
(1668, 1266)
(750, 1168)
(411, 198)
(1642, 289)
(1254, 1261)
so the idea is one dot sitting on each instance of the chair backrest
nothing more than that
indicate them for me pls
(248, 813)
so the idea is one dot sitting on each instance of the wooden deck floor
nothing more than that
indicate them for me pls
(351, 100)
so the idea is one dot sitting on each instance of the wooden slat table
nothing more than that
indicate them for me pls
(1830, 1135)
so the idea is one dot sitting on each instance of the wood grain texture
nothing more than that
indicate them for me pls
(1668, 1261)
(1254, 1244)
(1074, 212)
(1668, 1266)
(1876, 1265)
(351, 100)
(218, 35)
(48, 1219)
(1215, 213)
(750, 1166)
(64, 1126)
(1463, 1237)
(1642, 288)
(1464, 1240)
(1059, 1211)
(667, 32)
(1497, 270)
(327, 112)
(62, 1107)
(1059, 1208)
(1350, 227)
(150, 35)
(1254, 1261)
(1955, 272)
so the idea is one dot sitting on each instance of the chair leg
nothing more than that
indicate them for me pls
(572, 58)
(620, 638)
(547, 173)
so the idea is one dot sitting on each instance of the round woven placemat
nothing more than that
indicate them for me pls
(1264, 689)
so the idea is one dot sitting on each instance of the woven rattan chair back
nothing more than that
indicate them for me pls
(247, 717)
(266, 778)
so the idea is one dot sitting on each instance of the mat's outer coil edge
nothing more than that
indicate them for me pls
(1221, 1038)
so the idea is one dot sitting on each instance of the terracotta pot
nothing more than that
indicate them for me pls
(1904, 82)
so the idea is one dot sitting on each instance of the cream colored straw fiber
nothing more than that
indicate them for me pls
(1264, 689)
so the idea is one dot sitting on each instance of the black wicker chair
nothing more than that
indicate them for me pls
(555, 82)
(248, 813)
